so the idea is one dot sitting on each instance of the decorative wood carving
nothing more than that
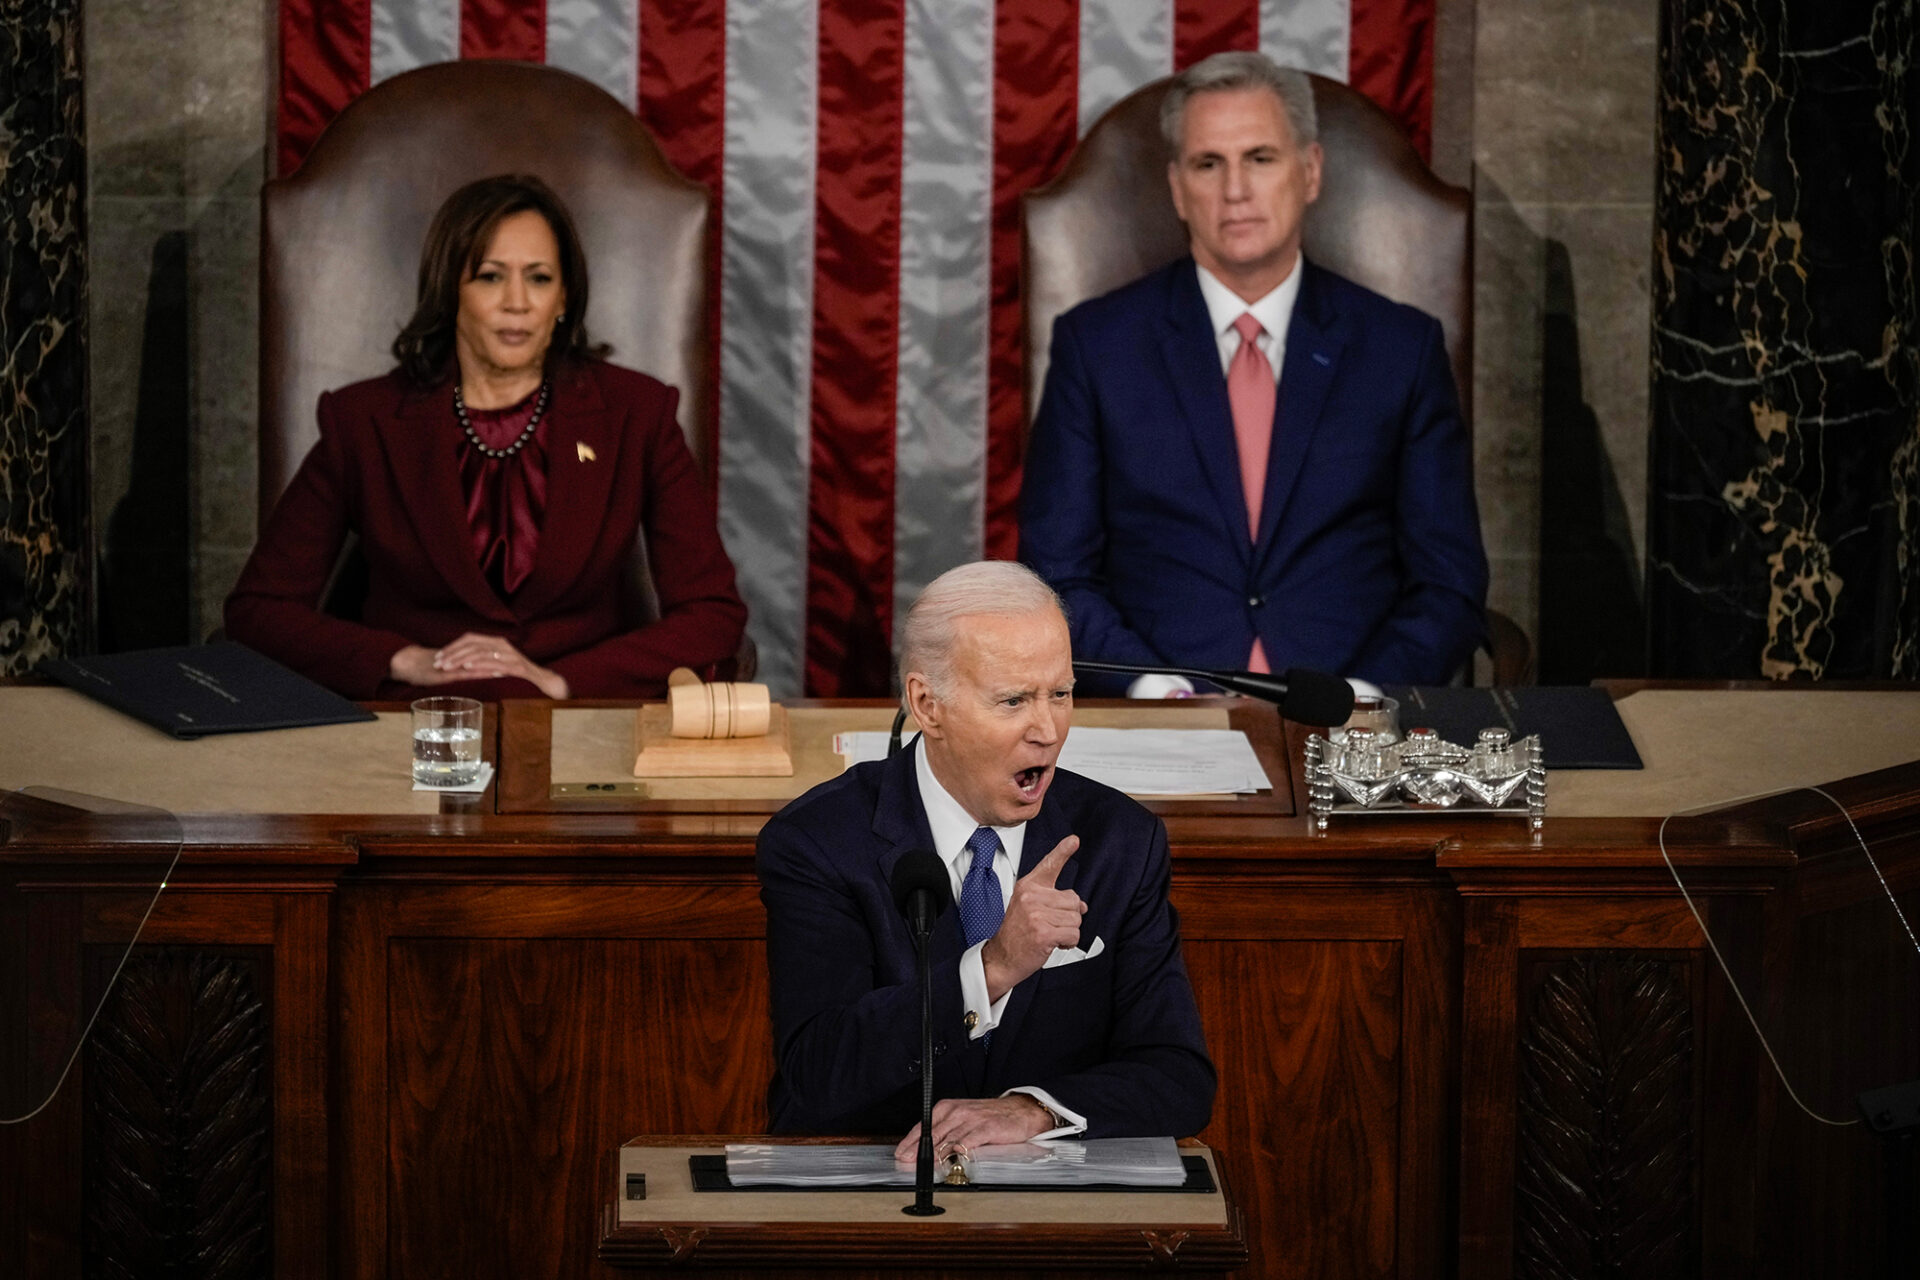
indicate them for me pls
(178, 1143)
(1604, 1182)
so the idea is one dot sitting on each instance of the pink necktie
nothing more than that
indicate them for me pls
(1251, 393)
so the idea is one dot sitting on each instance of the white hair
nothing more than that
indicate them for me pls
(1240, 70)
(999, 588)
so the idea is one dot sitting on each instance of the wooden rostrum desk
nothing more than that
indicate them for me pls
(1445, 1046)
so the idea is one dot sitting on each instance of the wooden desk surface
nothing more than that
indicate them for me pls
(1703, 749)
(59, 738)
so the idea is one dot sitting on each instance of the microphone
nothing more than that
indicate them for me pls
(921, 890)
(1308, 697)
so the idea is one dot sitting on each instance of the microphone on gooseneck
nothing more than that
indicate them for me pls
(922, 889)
(1305, 696)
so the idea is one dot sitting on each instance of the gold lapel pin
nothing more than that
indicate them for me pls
(585, 451)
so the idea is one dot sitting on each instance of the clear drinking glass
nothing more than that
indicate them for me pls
(446, 741)
(1378, 713)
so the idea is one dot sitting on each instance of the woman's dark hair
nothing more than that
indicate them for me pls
(457, 242)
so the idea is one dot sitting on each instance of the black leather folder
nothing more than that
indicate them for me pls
(1577, 724)
(195, 690)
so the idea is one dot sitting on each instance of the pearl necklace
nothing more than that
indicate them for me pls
(460, 412)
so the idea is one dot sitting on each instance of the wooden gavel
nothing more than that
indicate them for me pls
(721, 710)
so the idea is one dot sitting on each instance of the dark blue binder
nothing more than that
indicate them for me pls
(195, 690)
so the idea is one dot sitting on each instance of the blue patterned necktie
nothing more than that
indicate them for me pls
(980, 904)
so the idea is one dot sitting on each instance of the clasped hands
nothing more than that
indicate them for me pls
(473, 657)
(1039, 918)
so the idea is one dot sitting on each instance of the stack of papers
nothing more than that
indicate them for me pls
(1140, 762)
(1127, 1162)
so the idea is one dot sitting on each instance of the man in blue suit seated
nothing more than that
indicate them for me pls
(1191, 512)
(1061, 1004)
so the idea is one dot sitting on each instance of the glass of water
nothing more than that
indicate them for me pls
(1378, 713)
(446, 741)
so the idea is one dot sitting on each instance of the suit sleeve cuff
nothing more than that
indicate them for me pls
(973, 993)
(1072, 1123)
(1154, 685)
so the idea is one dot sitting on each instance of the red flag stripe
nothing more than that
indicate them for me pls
(1205, 27)
(326, 52)
(1390, 59)
(503, 29)
(856, 326)
(1035, 100)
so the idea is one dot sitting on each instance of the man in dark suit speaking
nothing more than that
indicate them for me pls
(1060, 1001)
(1191, 511)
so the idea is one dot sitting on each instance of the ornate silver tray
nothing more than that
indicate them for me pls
(1361, 771)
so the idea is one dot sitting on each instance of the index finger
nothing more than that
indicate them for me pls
(1047, 870)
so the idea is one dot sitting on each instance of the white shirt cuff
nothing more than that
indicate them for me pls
(973, 993)
(1159, 686)
(1074, 1122)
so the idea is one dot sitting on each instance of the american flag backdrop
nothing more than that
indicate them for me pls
(866, 159)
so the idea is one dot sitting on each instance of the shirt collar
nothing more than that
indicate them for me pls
(1274, 311)
(952, 826)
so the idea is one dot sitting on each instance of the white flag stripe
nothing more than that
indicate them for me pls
(598, 40)
(946, 193)
(1313, 35)
(412, 33)
(766, 313)
(1124, 44)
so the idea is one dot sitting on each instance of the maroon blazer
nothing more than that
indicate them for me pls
(386, 467)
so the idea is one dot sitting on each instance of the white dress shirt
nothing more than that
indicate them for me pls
(952, 826)
(1274, 312)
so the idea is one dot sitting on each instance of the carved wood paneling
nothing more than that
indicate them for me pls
(178, 1160)
(1605, 1174)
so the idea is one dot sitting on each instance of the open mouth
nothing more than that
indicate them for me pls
(1029, 781)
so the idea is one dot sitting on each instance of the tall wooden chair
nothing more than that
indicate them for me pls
(340, 247)
(1383, 219)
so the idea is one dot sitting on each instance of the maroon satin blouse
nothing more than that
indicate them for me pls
(506, 497)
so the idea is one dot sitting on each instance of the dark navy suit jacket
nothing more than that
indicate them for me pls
(1116, 1037)
(1368, 560)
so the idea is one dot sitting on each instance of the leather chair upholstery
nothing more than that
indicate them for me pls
(1383, 219)
(341, 238)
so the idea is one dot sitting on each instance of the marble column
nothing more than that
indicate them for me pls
(1784, 484)
(44, 533)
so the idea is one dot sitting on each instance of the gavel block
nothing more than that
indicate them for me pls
(712, 731)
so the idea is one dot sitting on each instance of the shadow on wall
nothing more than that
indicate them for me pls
(145, 583)
(1593, 619)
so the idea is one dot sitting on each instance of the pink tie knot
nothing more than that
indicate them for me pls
(1248, 328)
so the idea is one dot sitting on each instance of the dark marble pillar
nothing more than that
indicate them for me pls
(1784, 476)
(44, 489)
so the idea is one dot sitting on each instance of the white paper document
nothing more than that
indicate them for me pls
(1127, 1162)
(1140, 762)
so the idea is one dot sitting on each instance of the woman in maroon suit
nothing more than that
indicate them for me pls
(497, 481)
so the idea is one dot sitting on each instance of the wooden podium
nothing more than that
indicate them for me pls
(1440, 1040)
(655, 1218)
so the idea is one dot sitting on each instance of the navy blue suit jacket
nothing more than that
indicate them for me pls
(1116, 1037)
(1368, 560)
